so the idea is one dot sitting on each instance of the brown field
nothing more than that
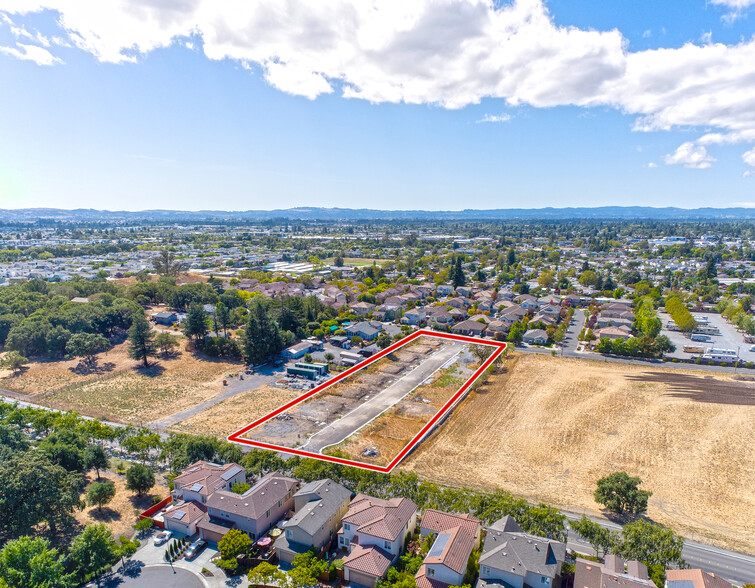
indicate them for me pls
(120, 514)
(230, 415)
(550, 427)
(120, 390)
(392, 431)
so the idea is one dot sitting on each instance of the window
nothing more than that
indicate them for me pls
(288, 534)
(280, 502)
(342, 540)
(387, 544)
(431, 570)
(267, 514)
(486, 570)
(544, 580)
(346, 527)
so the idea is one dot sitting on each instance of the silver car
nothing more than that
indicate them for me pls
(195, 548)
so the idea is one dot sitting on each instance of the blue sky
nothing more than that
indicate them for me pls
(245, 129)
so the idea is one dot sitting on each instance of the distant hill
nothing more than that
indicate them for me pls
(346, 214)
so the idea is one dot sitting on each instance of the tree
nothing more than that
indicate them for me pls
(195, 324)
(100, 493)
(383, 340)
(516, 332)
(166, 342)
(588, 278)
(307, 567)
(86, 345)
(26, 562)
(262, 338)
(13, 361)
(620, 493)
(240, 487)
(546, 279)
(650, 543)
(222, 317)
(329, 357)
(234, 543)
(139, 478)
(93, 550)
(165, 264)
(141, 339)
(597, 536)
(457, 274)
(95, 457)
(266, 574)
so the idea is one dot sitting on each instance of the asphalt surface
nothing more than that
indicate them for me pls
(164, 576)
(336, 432)
(735, 567)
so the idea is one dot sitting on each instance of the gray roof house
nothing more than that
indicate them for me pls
(319, 507)
(536, 337)
(513, 559)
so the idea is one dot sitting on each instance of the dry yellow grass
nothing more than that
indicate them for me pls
(121, 513)
(230, 415)
(551, 427)
(122, 391)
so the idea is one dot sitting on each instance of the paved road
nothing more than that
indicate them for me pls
(363, 414)
(164, 576)
(735, 567)
(571, 340)
(235, 386)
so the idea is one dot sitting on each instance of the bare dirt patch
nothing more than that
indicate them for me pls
(551, 427)
(122, 390)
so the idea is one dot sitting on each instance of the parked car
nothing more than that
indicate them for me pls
(195, 548)
(163, 537)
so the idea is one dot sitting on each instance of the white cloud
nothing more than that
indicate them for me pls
(652, 165)
(450, 53)
(690, 155)
(494, 118)
(38, 55)
(737, 8)
(749, 157)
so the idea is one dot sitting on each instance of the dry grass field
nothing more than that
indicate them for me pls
(121, 513)
(550, 427)
(120, 390)
(230, 415)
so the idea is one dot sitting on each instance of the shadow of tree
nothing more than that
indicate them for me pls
(154, 370)
(85, 369)
(105, 515)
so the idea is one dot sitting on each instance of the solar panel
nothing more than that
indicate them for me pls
(179, 514)
(440, 544)
(197, 487)
(230, 473)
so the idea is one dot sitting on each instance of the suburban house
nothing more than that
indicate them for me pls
(514, 559)
(201, 479)
(319, 508)
(253, 512)
(415, 316)
(613, 333)
(444, 290)
(165, 318)
(183, 516)
(298, 350)
(694, 579)
(446, 562)
(364, 329)
(440, 315)
(535, 337)
(374, 532)
(362, 308)
(469, 327)
(611, 574)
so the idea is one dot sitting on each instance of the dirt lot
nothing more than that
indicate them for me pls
(550, 427)
(293, 427)
(120, 514)
(120, 390)
(388, 434)
(230, 415)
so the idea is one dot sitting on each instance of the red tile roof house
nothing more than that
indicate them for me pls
(182, 517)
(203, 478)
(612, 574)
(374, 532)
(253, 512)
(446, 562)
(695, 579)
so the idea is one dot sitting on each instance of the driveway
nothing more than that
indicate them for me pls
(163, 576)
(382, 401)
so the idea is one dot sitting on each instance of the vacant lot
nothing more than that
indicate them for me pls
(119, 389)
(388, 434)
(550, 427)
(230, 415)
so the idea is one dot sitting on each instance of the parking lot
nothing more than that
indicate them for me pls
(729, 337)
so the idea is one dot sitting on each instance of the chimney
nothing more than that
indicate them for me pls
(637, 569)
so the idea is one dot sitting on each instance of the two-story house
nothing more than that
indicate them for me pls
(319, 507)
(253, 512)
(513, 558)
(446, 562)
(374, 532)
(201, 479)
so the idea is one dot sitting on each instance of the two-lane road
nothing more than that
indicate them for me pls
(735, 567)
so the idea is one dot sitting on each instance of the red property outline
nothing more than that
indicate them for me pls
(500, 347)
